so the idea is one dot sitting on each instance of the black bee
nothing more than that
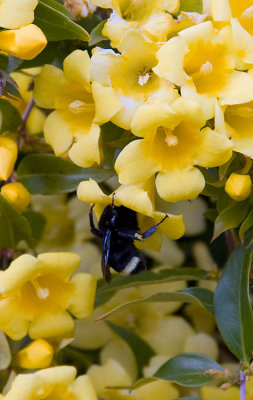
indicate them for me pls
(118, 228)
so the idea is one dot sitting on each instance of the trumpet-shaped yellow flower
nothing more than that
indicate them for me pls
(138, 198)
(36, 118)
(26, 42)
(37, 293)
(129, 76)
(202, 61)
(172, 145)
(16, 194)
(56, 383)
(16, 13)
(148, 16)
(37, 354)
(73, 128)
(8, 156)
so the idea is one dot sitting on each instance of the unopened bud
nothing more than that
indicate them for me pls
(238, 187)
(37, 354)
(16, 194)
(8, 156)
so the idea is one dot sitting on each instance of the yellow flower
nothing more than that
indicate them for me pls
(238, 187)
(148, 16)
(16, 194)
(202, 61)
(58, 383)
(37, 354)
(129, 76)
(210, 393)
(25, 79)
(73, 127)
(112, 373)
(26, 42)
(173, 143)
(8, 156)
(139, 199)
(16, 13)
(37, 293)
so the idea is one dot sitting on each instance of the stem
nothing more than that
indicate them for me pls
(27, 112)
(242, 386)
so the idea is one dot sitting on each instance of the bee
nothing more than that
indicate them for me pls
(117, 229)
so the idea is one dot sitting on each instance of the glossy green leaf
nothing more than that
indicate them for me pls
(56, 25)
(246, 225)
(188, 369)
(191, 5)
(203, 298)
(37, 222)
(5, 353)
(11, 118)
(233, 310)
(57, 6)
(150, 277)
(47, 56)
(141, 349)
(47, 174)
(230, 218)
(13, 225)
(96, 34)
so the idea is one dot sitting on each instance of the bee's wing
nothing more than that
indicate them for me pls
(105, 256)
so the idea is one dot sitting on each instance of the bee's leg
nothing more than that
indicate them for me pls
(93, 229)
(149, 232)
(114, 212)
(105, 256)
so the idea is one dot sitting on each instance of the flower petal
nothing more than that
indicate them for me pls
(180, 184)
(76, 68)
(62, 264)
(173, 226)
(136, 198)
(57, 132)
(238, 90)
(14, 13)
(132, 164)
(213, 149)
(84, 290)
(106, 101)
(48, 86)
(51, 324)
(12, 321)
(85, 151)
(90, 192)
(83, 387)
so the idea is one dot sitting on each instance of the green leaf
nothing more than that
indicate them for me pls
(57, 6)
(141, 349)
(191, 5)
(37, 222)
(147, 278)
(56, 25)
(246, 225)
(230, 218)
(188, 369)
(47, 56)
(5, 353)
(203, 298)
(13, 225)
(233, 310)
(47, 174)
(96, 34)
(11, 118)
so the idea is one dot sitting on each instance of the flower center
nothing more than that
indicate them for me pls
(78, 106)
(205, 69)
(42, 293)
(144, 77)
(170, 139)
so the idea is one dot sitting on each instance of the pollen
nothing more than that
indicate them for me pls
(143, 79)
(206, 68)
(78, 106)
(42, 293)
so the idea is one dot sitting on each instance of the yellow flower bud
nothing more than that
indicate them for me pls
(26, 42)
(8, 156)
(37, 354)
(238, 187)
(16, 194)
